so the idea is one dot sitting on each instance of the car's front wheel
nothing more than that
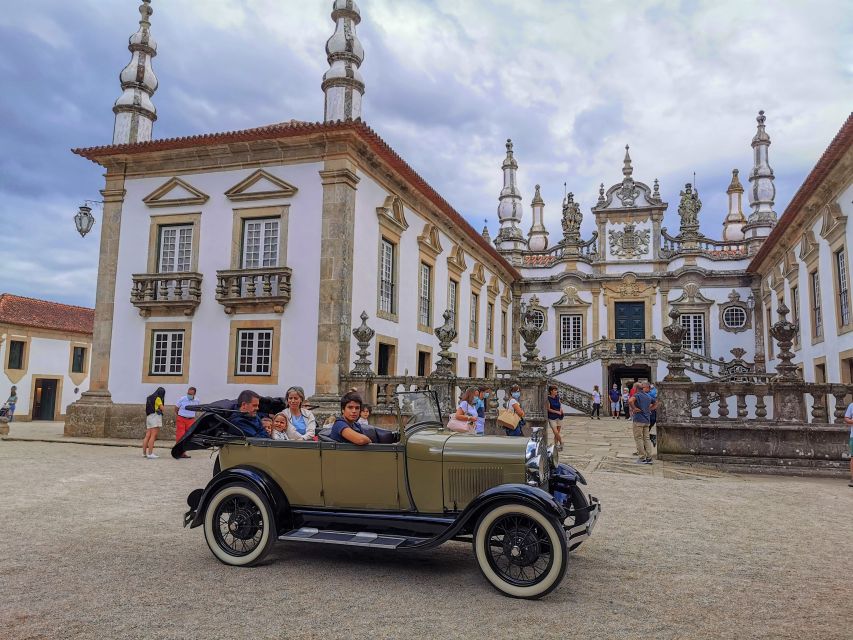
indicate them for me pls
(520, 550)
(238, 525)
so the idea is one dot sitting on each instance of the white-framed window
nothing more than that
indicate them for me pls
(176, 249)
(254, 352)
(474, 331)
(424, 299)
(734, 317)
(387, 257)
(452, 300)
(538, 318)
(694, 337)
(817, 313)
(571, 332)
(490, 314)
(504, 326)
(260, 242)
(167, 353)
(843, 292)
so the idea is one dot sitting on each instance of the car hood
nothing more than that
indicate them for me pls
(486, 449)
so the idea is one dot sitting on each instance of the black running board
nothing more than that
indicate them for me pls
(357, 539)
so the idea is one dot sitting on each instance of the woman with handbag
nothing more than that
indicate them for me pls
(465, 418)
(513, 413)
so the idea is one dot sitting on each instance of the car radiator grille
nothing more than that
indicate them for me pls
(465, 484)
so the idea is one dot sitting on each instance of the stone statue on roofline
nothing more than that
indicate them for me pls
(572, 218)
(688, 209)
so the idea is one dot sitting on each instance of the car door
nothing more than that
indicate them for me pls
(361, 477)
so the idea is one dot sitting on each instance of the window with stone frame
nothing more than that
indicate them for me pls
(260, 242)
(167, 353)
(16, 354)
(795, 311)
(537, 318)
(571, 332)
(490, 318)
(734, 317)
(78, 360)
(694, 337)
(474, 327)
(817, 312)
(387, 286)
(453, 301)
(176, 249)
(843, 289)
(424, 297)
(504, 327)
(254, 352)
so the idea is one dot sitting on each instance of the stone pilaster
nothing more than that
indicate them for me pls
(336, 272)
(516, 323)
(90, 415)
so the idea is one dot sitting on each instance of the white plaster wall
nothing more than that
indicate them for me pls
(365, 283)
(208, 365)
(47, 357)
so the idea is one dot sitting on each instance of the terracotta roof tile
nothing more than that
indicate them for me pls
(296, 128)
(43, 314)
(842, 141)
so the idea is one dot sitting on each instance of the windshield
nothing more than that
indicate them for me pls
(418, 407)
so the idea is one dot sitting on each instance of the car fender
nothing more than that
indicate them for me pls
(520, 493)
(252, 476)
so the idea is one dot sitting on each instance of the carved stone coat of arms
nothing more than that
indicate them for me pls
(630, 243)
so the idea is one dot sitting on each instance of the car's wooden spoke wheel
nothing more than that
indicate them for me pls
(238, 525)
(520, 550)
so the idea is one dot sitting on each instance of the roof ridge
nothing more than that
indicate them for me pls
(64, 304)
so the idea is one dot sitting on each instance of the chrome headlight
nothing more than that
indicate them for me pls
(553, 456)
(536, 460)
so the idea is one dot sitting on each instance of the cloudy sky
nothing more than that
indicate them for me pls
(571, 82)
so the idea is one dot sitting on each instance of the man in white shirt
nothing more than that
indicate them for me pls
(848, 420)
(185, 418)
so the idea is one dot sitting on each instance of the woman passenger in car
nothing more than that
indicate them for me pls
(346, 428)
(302, 424)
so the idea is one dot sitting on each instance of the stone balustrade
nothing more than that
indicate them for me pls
(253, 290)
(166, 293)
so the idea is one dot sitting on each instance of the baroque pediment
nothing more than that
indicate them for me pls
(391, 214)
(571, 298)
(175, 193)
(260, 185)
(691, 294)
(429, 240)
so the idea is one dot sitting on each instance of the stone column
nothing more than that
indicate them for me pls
(516, 323)
(336, 272)
(90, 415)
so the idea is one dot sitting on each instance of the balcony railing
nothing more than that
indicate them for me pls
(166, 293)
(714, 249)
(253, 290)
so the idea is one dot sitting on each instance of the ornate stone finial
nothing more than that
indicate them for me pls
(446, 334)
(784, 333)
(537, 238)
(134, 112)
(572, 218)
(530, 332)
(763, 192)
(601, 194)
(735, 219)
(485, 233)
(627, 169)
(674, 332)
(363, 335)
(656, 191)
(343, 84)
(510, 209)
(688, 209)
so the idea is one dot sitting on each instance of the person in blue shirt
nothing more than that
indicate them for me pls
(555, 416)
(247, 420)
(481, 404)
(346, 427)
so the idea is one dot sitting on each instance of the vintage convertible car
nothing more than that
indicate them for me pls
(413, 489)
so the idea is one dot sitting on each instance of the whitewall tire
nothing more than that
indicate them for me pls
(238, 525)
(521, 551)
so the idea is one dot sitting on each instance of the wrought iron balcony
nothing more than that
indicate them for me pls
(166, 293)
(253, 290)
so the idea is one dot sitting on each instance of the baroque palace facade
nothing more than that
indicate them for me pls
(246, 259)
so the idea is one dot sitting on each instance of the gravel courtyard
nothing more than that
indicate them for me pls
(94, 548)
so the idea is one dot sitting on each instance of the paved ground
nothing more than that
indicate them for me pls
(93, 547)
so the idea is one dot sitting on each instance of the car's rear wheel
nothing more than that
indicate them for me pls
(520, 550)
(238, 525)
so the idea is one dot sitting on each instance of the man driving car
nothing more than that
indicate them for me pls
(247, 420)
